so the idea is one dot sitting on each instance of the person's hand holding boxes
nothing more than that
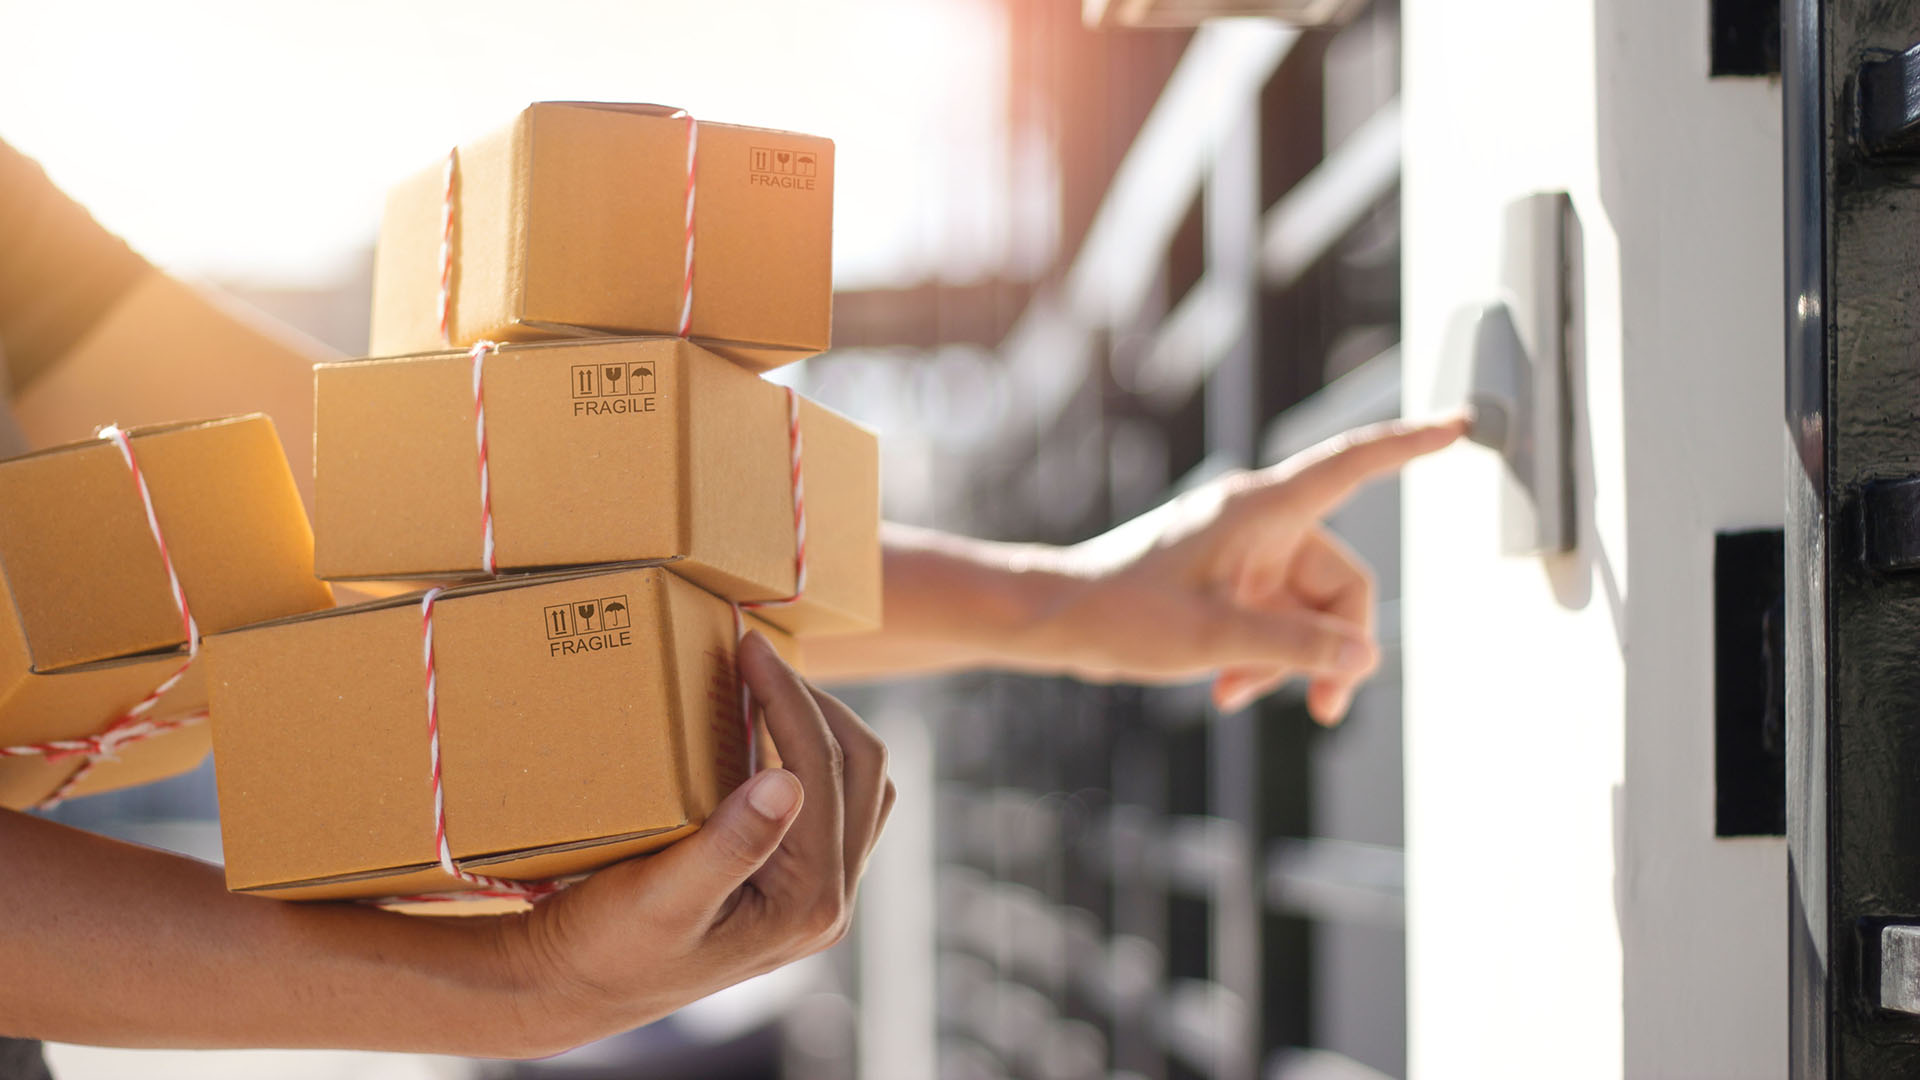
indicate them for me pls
(590, 711)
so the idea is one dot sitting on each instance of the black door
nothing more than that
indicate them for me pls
(1853, 534)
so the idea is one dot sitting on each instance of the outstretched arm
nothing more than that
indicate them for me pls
(1237, 580)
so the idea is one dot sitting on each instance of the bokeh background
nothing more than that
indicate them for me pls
(1081, 263)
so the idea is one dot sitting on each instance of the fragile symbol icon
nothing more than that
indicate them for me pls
(769, 163)
(613, 614)
(588, 626)
(612, 381)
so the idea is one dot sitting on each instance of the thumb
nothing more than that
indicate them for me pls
(741, 835)
(1308, 641)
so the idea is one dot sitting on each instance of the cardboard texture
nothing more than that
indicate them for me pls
(585, 717)
(571, 220)
(612, 450)
(87, 621)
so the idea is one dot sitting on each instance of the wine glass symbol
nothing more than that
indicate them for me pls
(613, 374)
(586, 616)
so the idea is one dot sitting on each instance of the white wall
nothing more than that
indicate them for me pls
(1571, 914)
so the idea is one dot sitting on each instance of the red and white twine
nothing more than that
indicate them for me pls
(485, 886)
(133, 725)
(686, 279)
(445, 301)
(446, 248)
(479, 353)
(496, 887)
(504, 888)
(482, 349)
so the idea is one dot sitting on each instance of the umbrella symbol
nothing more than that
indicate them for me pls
(613, 613)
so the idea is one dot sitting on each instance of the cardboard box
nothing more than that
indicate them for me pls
(612, 450)
(584, 718)
(572, 220)
(87, 621)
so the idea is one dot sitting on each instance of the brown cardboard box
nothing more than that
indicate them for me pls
(87, 621)
(572, 220)
(682, 457)
(574, 733)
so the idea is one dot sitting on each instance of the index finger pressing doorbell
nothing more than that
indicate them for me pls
(1508, 361)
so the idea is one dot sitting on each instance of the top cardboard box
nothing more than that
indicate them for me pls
(572, 221)
(87, 620)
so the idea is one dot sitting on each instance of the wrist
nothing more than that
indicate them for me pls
(510, 981)
(1042, 597)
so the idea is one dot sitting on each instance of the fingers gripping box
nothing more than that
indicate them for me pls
(600, 451)
(584, 718)
(574, 219)
(88, 622)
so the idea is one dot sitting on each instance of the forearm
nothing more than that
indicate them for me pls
(111, 944)
(169, 351)
(952, 603)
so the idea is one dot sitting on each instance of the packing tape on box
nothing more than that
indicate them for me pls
(445, 302)
(134, 725)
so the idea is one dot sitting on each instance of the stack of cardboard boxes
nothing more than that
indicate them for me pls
(563, 418)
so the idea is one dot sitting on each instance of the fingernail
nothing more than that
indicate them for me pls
(1353, 656)
(1238, 700)
(775, 793)
(1337, 709)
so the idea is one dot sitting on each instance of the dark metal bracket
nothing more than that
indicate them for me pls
(1890, 524)
(1889, 103)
